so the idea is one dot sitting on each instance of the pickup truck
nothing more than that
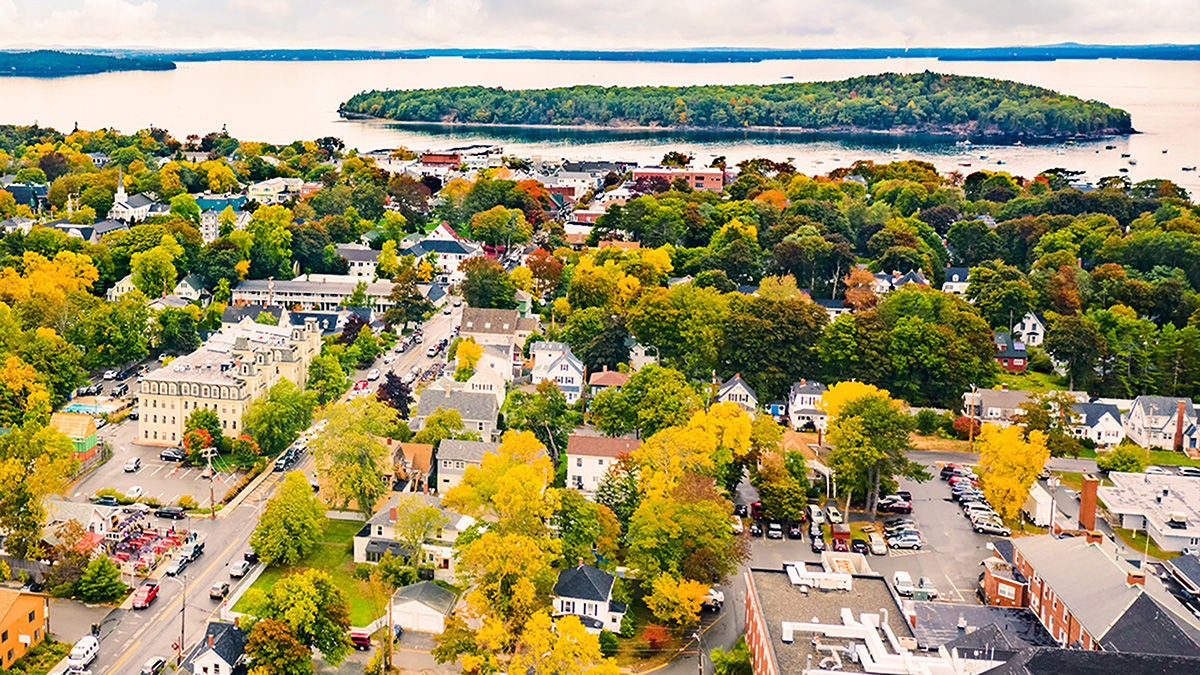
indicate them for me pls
(145, 594)
(713, 601)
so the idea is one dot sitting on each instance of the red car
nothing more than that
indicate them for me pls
(361, 384)
(145, 594)
(841, 545)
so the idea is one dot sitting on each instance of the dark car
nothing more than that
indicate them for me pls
(818, 544)
(841, 545)
(774, 530)
(250, 556)
(896, 506)
(947, 471)
(172, 512)
(794, 531)
(903, 494)
(172, 455)
(740, 510)
(860, 546)
(755, 529)
(105, 500)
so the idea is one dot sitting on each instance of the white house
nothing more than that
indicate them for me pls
(957, 280)
(128, 209)
(275, 190)
(125, 285)
(361, 260)
(191, 288)
(1166, 506)
(590, 457)
(554, 361)
(1100, 422)
(804, 405)
(1160, 421)
(222, 650)
(422, 607)
(1031, 329)
(453, 458)
(378, 537)
(833, 307)
(448, 248)
(736, 390)
(586, 592)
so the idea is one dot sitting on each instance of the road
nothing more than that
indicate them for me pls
(128, 638)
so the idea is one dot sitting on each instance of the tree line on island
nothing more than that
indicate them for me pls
(920, 103)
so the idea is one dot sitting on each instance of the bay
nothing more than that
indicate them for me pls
(282, 101)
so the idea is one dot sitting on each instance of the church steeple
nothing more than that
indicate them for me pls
(120, 196)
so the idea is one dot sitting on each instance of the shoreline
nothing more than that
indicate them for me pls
(895, 132)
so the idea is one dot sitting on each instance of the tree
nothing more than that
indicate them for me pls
(414, 522)
(467, 354)
(545, 413)
(500, 227)
(1053, 414)
(327, 379)
(271, 251)
(100, 581)
(676, 601)
(508, 487)
(683, 532)
(443, 424)
(154, 272)
(351, 455)
(784, 495)
(357, 297)
(619, 490)
(587, 530)
(736, 661)
(408, 303)
(312, 607)
(1076, 341)
(185, 206)
(291, 523)
(35, 461)
(396, 393)
(274, 420)
(654, 398)
(1126, 457)
(1001, 292)
(207, 420)
(1008, 464)
(870, 436)
(177, 332)
(561, 646)
(486, 284)
(274, 650)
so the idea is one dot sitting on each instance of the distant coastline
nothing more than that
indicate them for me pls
(50, 63)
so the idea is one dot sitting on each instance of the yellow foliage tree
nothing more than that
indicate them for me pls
(667, 455)
(522, 279)
(1008, 464)
(676, 601)
(562, 647)
(836, 397)
(509, 487)
(468, 352)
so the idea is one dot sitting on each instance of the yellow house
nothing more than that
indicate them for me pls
(23, 623)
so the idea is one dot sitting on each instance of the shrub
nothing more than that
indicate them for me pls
(187, 502)
(963, 425)
(656, 636)
(608, 643)
(628, 626)
(927, 422)
(1126, 457)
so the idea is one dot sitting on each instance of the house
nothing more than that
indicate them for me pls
(886, 283)
(1031, 330)
(129, 209)
(219, 652)
(988, 628)
(441, 159)
(453, 458)
(1010, 353)
(554, 361)
(736, 390)
(1099, 422)
(447, 247)
(495, 326)
(361, 260)
(422, 607)
(411, 464)
(125, 285)
(235, 314)
(378, 537)
(97, 520)
(505, 361)
(834, 308)
(603, 379)
(1161, 422)
(804, 407)
(957, 280)
(1089, 599)
(275, 190)
(24, 623)
(478, 409)
(590, 457)
(191, 288)
(712, 180)
(639, 356)
(323, 292)
(81, 429)
(1002, 406)
(1166, 506)
(33, 195)
(210, 222)
(586, 592)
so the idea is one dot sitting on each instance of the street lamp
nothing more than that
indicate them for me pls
(699, 635)
(182, 617)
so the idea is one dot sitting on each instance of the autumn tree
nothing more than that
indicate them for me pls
(545, 413)
(274, 650)
(1009, 462)
(351, 455)
(784, 495)
(654, 398)
(561, 646)
(312, 607)
(274, 420)
(587, 530)
(291, 523)
(676, 601)
(486, 284)
(870, 437)
(441, 425)
(415, 520)
(859, 294)
(35, 461)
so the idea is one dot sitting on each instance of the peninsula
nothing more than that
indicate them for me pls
(921, 103)
(51, 63)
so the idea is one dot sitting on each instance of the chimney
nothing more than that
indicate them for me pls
(1135, 577)
(1179, 408)
(212, 638)
(1087, 502)
(1094, 536)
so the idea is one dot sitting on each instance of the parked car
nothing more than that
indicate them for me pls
(756, 510)
(1157, 471)
(755, 529)
(774, 530)
(133, 414)
(992, 527)
(1189, 471)
(239, 568)
(841, 545)
(388, 358)
(110, 374)
(373, 375)
(192, 551)
(84, 652)
(926, 584)
(815, 514)
(360, 639)
(794, 531)
(835, 516)
(100, 422)
(219, 590)
(860, 546)
(361, 384)
(105, 500)
(740, 510)
(250, 556)
(120, 390)
(134, 492)
(903, 583)
(735, 524)
(815, 530)
(431, 352)
(713, 601)
(878, 545)
(145, 594)
(907, 540)
(172, 512)
(155, 666)
(948, 470)
(176, 567)
(895, 506)
(818, 544)
(172, 455)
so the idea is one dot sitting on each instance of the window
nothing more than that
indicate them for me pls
(568, 607)
(578, 461)
(4, 636)
(32, 617)
(1006, 591)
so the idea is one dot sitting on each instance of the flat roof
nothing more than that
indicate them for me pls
(1156, 497)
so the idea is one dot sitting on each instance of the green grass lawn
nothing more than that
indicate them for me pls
(1171, 458)
(1031, 381)
(41, 659)
(334, 553)
(1136, 541)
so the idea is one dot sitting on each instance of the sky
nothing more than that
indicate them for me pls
(574, 24)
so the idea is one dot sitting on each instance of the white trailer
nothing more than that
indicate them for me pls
(1039, 507)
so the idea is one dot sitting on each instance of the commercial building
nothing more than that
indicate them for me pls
(323, 292)
(24, 623)
(237, 365)
(1166, 506)
(699, 179)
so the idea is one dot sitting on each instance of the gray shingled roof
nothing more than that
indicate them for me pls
(496, 321)
(473, 406)
(229, 642)
(1160, 406)
(471, 452)
(1091, 413)
(429, 594)
(585, 583)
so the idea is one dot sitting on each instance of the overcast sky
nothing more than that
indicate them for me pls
(574, 24)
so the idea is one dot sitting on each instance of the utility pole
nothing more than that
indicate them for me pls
(182, 622)
(212, 502)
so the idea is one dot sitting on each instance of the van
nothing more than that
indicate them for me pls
(878, 545)
(83, 653)
(816, 514)
(902, 583)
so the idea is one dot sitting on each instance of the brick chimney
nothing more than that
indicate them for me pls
(212, 638)
(1094, 536)
(1087, 502)
(1135, 577)
(1179, 412)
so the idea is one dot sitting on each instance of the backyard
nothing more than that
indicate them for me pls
(334, 553)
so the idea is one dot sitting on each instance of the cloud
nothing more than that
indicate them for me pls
(572, 24)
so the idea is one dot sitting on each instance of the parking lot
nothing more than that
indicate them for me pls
(950, 556)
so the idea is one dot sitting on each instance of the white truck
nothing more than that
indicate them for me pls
(1039, 507)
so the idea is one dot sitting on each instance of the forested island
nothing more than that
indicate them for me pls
(921, 103)
(50, 63)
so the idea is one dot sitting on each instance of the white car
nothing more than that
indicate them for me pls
(389, 357)
(1157, 471)
(239, 569)
(110, 374)
(373, 375)
(134, 492)
(835, 516)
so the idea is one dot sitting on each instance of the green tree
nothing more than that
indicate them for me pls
(327, 378)
(206, 419)
(35, 462)
(1126, 457)
(870, 438)
(357, 297)
(314, 609)
(154, 272)
(1076, 341)
(544, 412)
(351, 455)
(271, 250)
(415, 520)
(587, 530)
(653, 399)
(274, 420)
(443, 424)
(177, 330)
(771, 342)
(408, 303)
(500, 226)
(291, 523)
(736, 661)
(100, 581)
(784, 495)
(620, 491)
(1001, 292)
(185, 206)
(486, 284)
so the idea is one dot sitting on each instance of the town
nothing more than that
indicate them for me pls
(304, 409)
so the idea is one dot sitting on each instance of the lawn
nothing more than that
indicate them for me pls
(1136, 541)
(1031, 381)
(334, 554)
(1171, 458)
(939, 444)
(41, 659)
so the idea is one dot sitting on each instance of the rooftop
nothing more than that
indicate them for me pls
(600, 446)
(323, 284)
(937, 624)
(214, 361)
(465, 451)
(1170, 503)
